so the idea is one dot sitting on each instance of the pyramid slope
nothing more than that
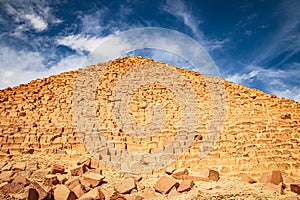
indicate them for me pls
(258, 131)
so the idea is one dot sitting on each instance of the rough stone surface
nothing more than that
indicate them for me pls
(274, 177)
(178, 173)
(185, 185)
(51, 180)
(61, 192)
(95, 193)
(38, 127)
(57, 168)
(93, 178)
(79, 170)
(295, 187)
(164, 184)
(247, 179)
(275, 188)
(211, 174)
(125, 186)
(21, 180)
(6, 176)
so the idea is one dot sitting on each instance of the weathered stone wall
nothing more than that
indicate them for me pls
(257, 131)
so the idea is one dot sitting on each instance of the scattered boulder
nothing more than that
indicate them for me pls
(211, 174)
(51, 180)
(125, 186)
(7, 167)
(135, 177)
(295, 187)
(57, 168)
(95, 193)
(149, 195)
(84, 160)
(40, 173)
(6, 176)
(275, 188)
(247, 179)
(21, 180)
(93, 179)
(79, 170)
(274, 177)
(169, 170)
(178, 173)
(16, 187)
(19, 166)
(38, 191)
(165, 184)
(62, 192)
(185, 185)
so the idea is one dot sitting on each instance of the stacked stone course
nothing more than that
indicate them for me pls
(260, 131)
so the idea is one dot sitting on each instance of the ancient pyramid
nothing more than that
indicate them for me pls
(136, 116)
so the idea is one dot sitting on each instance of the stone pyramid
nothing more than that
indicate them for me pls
(134, 115)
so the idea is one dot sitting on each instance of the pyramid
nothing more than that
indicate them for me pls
(134, 115)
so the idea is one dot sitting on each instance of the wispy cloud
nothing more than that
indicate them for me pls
(183, 12)
(179, 9)
(27, 15)
(18, 67)
(284, 83)
(285, 39)
(37, 22)
(80, 42)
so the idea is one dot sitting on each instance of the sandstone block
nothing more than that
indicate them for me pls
(16, 187)
(19, 166)
(275, 188)
(295, 187)
(210, 174)
(96, 170)
(134, 198)
(51, 180)
(93, 179)
(40, 173)
(178, 173)
(32, 166)
(21, 180)
(37, 192)
(247, 179)
(136, 178)
(6, 176)
(78, 191)
(95, 193)
(79, 170)
(61, 192)
(274, 177)
(185, 185)
(72, 183)
(149, 195)
(169, 170)
(7, 167)
(57, 168)
(165, 184)
(125, 186)
(84, 160)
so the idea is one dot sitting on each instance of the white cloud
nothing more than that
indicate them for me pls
(36, 15)
(285, 40)
(242, 78)
(179, 9)
(284, 83)
(20, 67)
(248, 32)
(37, 22)
(183, 12)
(80, 42)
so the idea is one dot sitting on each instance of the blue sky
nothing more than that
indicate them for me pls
(255, 43)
